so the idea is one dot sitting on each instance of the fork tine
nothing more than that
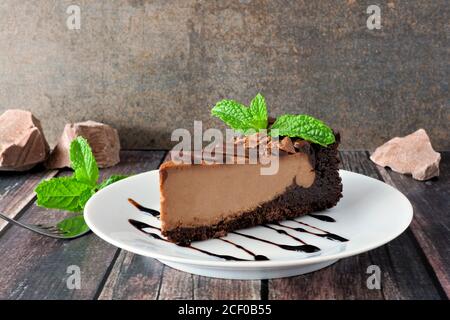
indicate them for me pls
(53, 229)
(45, 230)
(58, 233)
(49, 229)
(48, 226)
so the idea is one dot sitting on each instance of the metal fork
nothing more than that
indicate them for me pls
(49, 230)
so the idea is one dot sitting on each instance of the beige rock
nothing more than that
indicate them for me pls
(103, 139)
(412, 154)
(22, 141)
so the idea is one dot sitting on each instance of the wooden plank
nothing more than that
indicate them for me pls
(35, 267)
(16, 190)
(404, 274)
(223, 289)
(178, 285)
(133, 277)
(431, 202)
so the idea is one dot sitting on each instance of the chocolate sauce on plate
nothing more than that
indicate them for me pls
(141, 226)
(323, 234)
(258, 257)
(322, 217)
(152, 212)
(304, 247)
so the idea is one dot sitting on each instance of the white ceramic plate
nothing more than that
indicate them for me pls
(370, 214)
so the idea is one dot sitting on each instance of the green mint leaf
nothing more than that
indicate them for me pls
(258, 110)
(110, 180)
(73, 226)
(305, 127)
(65, 193)
(234, 114)
(241, 118)
(83, 161)
(84, 197)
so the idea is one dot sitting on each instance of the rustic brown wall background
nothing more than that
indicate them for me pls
(148, 67)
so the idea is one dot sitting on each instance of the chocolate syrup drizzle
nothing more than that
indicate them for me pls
(322, 217)
(141, 226)
(304, 247)
(257, 257)
(154, 213)
(325, 234)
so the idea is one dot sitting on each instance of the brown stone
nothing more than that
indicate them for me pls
(22, 141)
(103, 139)
(412, 154)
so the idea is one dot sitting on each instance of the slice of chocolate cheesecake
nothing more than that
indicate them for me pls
(202, 201)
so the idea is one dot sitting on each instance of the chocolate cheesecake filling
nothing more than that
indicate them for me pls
(208, 194)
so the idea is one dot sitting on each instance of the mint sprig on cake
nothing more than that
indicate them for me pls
(247, 120)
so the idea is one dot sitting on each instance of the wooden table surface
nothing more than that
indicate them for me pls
(416, 265)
